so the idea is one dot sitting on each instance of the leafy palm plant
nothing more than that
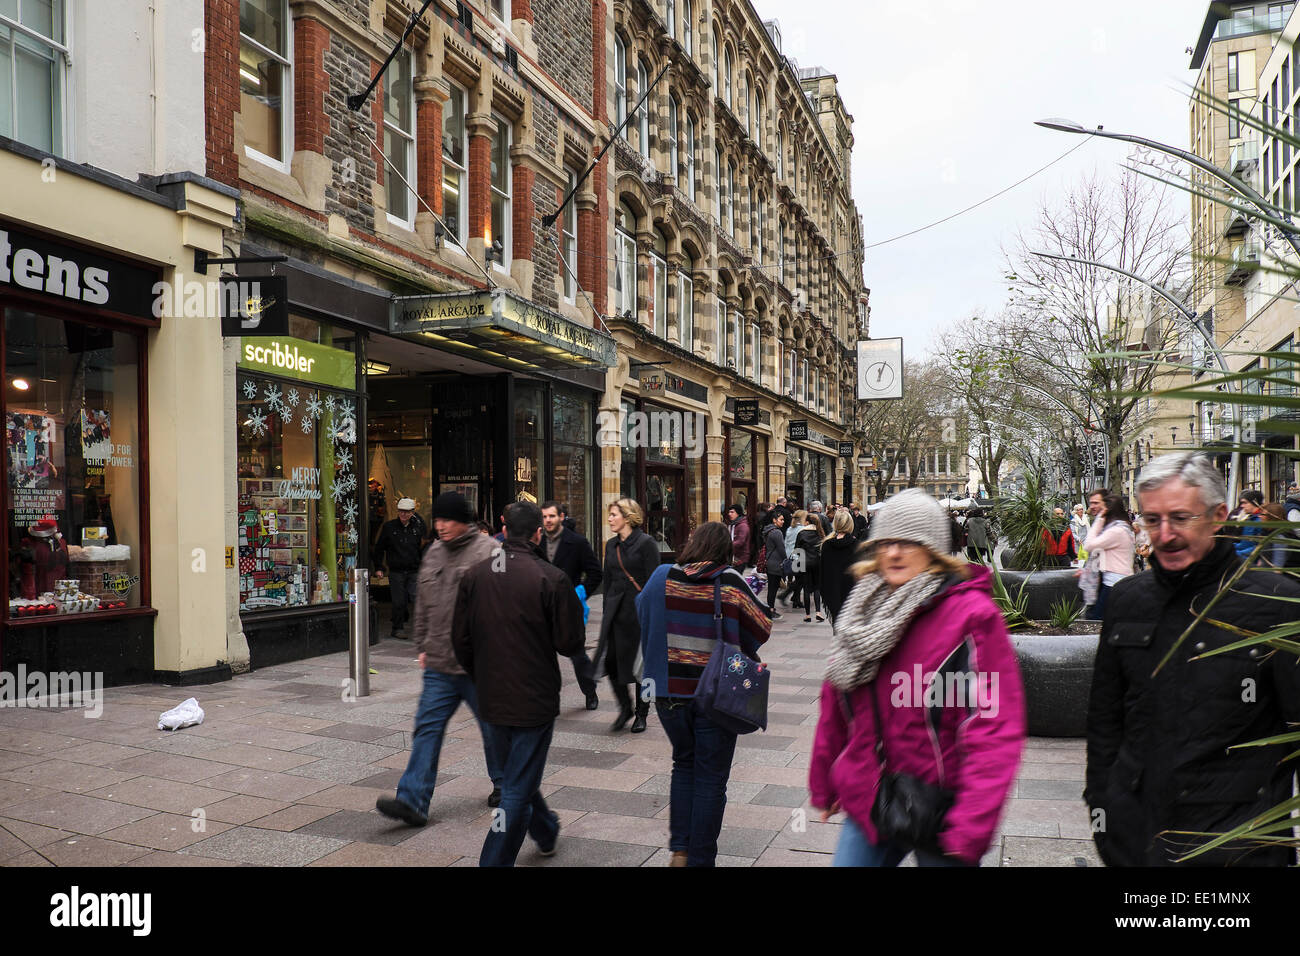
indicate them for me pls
(1023, 515)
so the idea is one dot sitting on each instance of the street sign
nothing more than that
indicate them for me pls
(746, 411)
(798, 430)
(846, 449)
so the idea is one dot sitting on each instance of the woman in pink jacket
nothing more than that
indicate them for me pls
(922, 681)
(1113, 541)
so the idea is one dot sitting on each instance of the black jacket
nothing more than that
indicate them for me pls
(1158, 756)
(774, 539)
(573, 556)
(514, 614)
(810, 541)
(838, 555)
(400, 547)
(860, 524)
(620, 629)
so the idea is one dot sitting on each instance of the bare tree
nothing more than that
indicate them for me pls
(1067, 321)
(899, 430)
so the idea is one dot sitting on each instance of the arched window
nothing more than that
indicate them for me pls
(686, 304)
(658, 285)
(727, 73)
(759, 118)
(620, 83)
(780, 154)
(742, 345)
(721, 331)
(625, 261)
(687, 43)
(717, 89)
(757, 345)
(672, 139)
(780, 250)
(758, 246)
(643, 117)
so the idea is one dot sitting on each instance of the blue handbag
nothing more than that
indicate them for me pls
(733, 688)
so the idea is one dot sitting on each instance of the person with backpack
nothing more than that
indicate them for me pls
(672, 632)
(809, 543)
(882, 747)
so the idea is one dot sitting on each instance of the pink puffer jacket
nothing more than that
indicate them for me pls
(980, 735)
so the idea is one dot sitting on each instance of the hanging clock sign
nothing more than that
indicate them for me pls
(880, 369)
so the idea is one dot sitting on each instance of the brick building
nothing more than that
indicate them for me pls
(736, 253)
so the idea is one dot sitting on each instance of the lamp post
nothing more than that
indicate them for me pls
(1192, 318)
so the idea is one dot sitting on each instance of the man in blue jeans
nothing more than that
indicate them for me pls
(514, 613)
(459, 547)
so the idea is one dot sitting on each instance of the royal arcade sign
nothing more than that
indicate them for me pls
(502, 325)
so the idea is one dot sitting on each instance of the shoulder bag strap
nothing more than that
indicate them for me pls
(618, 553)
(717, 608)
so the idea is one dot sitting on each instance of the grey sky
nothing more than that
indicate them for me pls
(944, 95)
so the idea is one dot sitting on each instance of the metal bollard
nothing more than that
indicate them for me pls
(359, 632)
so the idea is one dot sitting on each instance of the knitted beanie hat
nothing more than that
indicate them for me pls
(912, 515)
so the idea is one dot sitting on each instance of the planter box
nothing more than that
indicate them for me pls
(1044, 589)
(1057, 674)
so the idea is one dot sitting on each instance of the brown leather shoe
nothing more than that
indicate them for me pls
(679, 858)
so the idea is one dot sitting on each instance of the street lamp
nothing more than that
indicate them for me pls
(1192, 318)
(1238, 186)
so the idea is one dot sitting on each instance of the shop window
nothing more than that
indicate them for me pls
(530, 435)
(298, 488)
(265, 79)
(741, 457)
(686, 305)
(455, 182)
(399, 140)
(33, 79)
(501, 186)
(574, 464)
(689, 186)
(73, 467)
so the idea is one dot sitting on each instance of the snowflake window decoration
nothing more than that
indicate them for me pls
(351, 535)
(343, 461)
(338, 492)
(292, 397)
(256, 422)
(274, 401)
(305, 424)
(329, 403)
(350, 512)
(313, 407)
(250, 390)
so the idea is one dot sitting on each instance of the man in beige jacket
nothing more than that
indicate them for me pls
(458, 548)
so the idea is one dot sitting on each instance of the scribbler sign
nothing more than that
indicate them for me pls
(297, 358)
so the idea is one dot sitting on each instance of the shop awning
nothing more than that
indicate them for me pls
(501, 326)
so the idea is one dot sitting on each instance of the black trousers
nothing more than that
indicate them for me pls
(401, 586)
(583, 670)
(625, 699)
(773, 586)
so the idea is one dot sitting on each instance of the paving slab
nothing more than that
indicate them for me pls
(265, 847)
(166, 831)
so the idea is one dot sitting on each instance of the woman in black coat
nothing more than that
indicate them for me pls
(839, 553)
(809, 541)
(774, 538)
(631, 556)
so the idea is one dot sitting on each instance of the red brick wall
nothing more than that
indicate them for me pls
(428, 152)
(521, 10)
(522, 210)
(480, 172)
(221, 88)
(310, 84)
(593, 266)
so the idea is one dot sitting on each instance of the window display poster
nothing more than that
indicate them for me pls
(96, 441)
(32, 452)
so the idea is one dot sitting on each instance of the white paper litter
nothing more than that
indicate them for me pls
(185, 714)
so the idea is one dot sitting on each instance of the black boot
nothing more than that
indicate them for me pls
(624, 707)
(642, 710)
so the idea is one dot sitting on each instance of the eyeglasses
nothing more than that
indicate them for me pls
(1177, 522)
(905, 546)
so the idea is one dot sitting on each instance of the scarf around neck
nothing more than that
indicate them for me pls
(872, 622)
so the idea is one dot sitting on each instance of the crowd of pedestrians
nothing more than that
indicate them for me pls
(922, 711)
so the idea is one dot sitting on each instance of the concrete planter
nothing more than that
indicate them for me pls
(1057, 674)
(1044, 589)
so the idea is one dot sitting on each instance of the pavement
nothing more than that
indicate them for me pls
(285, 772)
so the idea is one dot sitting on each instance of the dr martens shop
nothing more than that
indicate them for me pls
(75, 535)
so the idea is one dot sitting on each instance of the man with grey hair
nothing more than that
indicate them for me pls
(1160, 760)
(823, 519)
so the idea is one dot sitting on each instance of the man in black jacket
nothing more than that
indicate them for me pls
(572, 554)
(400, 546)
(514, 613)
(1160, 763)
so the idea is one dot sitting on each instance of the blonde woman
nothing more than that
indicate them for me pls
(837, 557)
(631, 556)
(915, 610)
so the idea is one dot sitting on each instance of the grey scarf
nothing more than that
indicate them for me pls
(872, 621)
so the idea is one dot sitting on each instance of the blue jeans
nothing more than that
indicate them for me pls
(1098, 611)
(522, 811)
(702, 753)
(439, 699)
(854, 849)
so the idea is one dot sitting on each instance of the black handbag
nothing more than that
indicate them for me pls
(908, 812)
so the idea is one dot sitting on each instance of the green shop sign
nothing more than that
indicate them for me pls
(295, 358)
